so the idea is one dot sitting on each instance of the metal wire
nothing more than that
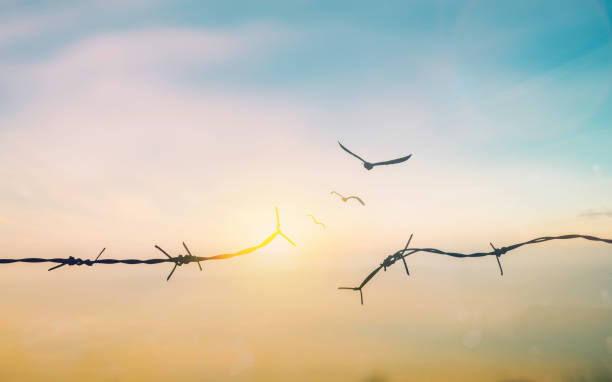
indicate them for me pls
(497, 252)
(177, 260)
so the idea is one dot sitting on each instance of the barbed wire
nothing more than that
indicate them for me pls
(177, 260)
(497, 252)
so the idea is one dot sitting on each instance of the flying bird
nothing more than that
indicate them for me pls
(369, 165)
(347, 198)
(315, 220)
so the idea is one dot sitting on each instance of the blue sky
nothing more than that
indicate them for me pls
(334, 52)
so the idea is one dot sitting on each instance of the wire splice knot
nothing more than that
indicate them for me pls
(71, 260)
(180, 259)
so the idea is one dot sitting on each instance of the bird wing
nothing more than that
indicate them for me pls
(358, 199)
(352, 153)
(393, 161)
(315, 220)
(334, 192)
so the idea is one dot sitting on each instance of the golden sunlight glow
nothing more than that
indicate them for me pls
(253, 249)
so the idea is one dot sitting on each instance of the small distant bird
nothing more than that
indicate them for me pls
(315, 220)
(350, 197)
(369, 165)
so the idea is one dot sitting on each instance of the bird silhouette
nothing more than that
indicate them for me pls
(369, 165)
(347, 198)
(315, 220)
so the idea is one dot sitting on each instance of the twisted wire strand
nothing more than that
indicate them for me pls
(177, 260)
(497, 252)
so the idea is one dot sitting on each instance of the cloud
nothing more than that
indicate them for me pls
(96, 115)
(592, 373)
(597, 169)
(16, 27)
(376, 377)
(19, 23)
(149, 55)
(597, 214)
(129, 4)
(472, 338)
(243, 358)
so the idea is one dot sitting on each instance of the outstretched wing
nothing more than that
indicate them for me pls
(350, 152)
(398, 160)
(334, 192)
(358, 199)
(315, 221)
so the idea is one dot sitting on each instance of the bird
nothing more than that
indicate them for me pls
(315, 220)
(369, 165)
(347, 198)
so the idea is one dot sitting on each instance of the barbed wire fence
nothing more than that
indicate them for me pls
(497, 252)
(176, 260)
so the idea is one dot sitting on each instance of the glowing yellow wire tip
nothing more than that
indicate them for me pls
(285, 236)
(277, 220)
(278, 230)
(245, 251)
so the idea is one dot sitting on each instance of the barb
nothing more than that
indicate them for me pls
(74, 261)
(497, 255)
(497, 252)
(177, 260)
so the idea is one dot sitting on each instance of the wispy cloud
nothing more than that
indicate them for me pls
(597, 214)
(16, 27)
(152, 54)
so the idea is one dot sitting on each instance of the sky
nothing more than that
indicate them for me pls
(125, 124)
